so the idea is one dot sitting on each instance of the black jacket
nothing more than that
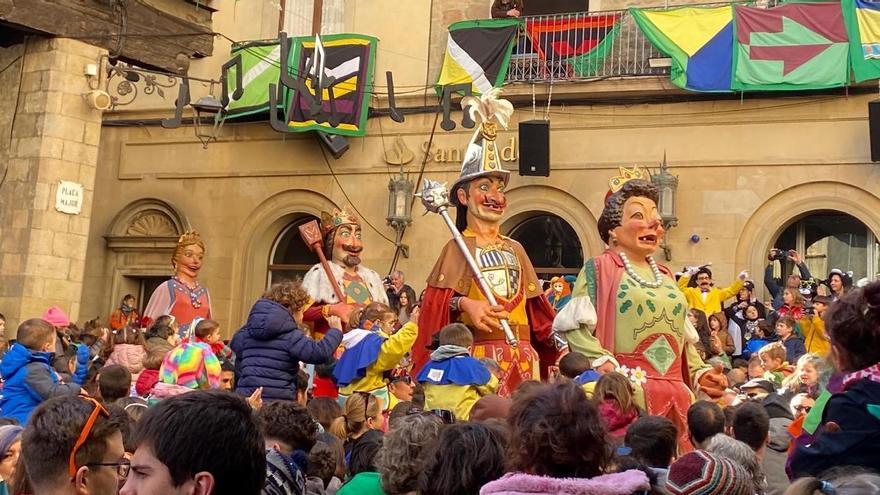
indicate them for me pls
(857, 414)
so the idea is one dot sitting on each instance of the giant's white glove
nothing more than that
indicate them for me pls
(743, 275)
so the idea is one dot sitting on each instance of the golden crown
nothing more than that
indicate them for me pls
(331, 220)
(626, 175)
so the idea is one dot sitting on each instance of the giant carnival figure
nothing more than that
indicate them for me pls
(182, 296)
(627, 306)
(360, 286)
(454, 292)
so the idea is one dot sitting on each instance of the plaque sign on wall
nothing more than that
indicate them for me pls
(69, 197)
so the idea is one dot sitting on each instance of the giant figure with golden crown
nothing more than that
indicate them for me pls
(361, 286)
(454, 294)
(627, 306)
(182, 296)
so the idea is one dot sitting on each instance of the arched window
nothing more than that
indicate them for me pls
(290, 257)
(551, 243)
(830, 239)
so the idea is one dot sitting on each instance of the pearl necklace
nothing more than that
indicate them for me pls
(658, 277)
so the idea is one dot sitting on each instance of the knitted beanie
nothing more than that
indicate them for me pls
(703, 473)
(56, 317)
(191, 365)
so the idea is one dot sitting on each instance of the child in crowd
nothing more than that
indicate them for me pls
(756, 369)
(127, 349)
(65, 364)
(114, 383)
(849, 428)
(190, 366)
(452, 379)
(149, 377)
(27, 373)
(573, 364)
(758, 338)
(371, 350)
(617, 407)
(578, 367)
(163, 334)
(815, 338)
(805, 378)
(794, 343)
(95, 336)
(722, 344)
(773, 361)
(321, 475)
(208, 332)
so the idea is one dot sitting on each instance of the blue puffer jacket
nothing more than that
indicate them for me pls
(29, 379)
(268, 350)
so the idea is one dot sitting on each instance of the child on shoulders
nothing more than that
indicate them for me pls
(208, 332)
(27, 372)
(372, 349)
(452, 379)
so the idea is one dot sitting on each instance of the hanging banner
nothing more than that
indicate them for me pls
(259, 63)
(342, 105)
(581, 41)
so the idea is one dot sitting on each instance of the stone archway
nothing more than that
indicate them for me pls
(769, 220)
(141, 239)
(527, 201)
(257, 237)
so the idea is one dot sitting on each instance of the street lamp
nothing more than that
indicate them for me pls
(207, 106)
(667, 184)
(400, 196)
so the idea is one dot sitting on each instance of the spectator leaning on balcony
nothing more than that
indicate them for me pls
(792, 282)
(703, 294)
(506, 8)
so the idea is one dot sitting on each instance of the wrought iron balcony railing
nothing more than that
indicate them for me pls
(582, 46)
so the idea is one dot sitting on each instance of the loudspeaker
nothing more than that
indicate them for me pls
(534, 147)
(335, 144)
(874, 128)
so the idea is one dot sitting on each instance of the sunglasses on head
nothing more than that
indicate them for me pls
(122, 467)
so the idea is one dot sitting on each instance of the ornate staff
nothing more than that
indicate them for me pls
(435, 198)
(311, 234)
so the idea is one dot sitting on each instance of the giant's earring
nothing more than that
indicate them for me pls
(613, 238)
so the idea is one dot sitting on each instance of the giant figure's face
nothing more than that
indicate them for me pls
(188, 260)
(484, 198)
(347, 245)
(641, 230)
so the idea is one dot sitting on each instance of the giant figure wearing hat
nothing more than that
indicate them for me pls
(361, 286)
(453, 295)
(182, 296)
(627, 306)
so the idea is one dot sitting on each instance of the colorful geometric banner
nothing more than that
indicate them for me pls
(583, 41)
(796, 46)
(699, 41)
(478, 53)
(260, 65)
(863, 25)
(348, 63)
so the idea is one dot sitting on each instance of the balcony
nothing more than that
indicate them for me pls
(584, 46)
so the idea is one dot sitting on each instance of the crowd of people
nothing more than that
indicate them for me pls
(625, 380)
(133, 410)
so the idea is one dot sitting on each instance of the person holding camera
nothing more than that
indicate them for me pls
(792, 282)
